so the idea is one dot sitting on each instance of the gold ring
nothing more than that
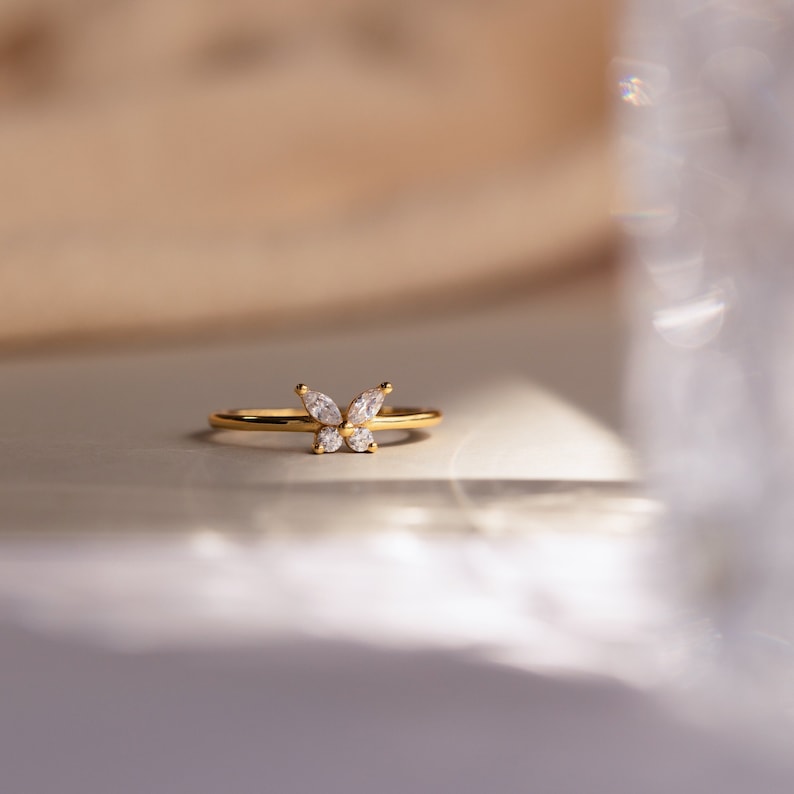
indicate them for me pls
(365, 414)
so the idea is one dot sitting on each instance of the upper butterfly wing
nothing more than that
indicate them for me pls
(322, 408)
(365, 406)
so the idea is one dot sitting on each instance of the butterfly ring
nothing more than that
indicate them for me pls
(331, 427)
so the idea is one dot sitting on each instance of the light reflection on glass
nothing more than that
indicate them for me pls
(712, 297)
(640, 83)
(634, 91)
(692, 323)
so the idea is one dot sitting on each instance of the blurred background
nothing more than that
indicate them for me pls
(567, 225)
(189, 165)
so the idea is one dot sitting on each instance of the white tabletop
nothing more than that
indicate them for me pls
(187, 611)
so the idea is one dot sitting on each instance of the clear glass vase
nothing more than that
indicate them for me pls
(707, 156)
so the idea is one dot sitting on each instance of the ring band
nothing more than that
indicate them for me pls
(293, 420)
(366, 414)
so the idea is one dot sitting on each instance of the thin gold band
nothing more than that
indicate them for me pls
(295, 420)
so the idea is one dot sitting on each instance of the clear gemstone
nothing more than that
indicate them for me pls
(365, 406)
(329, 439)
(322, 408)
(360, 440)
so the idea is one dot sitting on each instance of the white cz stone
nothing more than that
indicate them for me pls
(322, 408)
(360, 440)
(329, 439)
(365, 406)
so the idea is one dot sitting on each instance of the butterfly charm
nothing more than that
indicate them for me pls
(350, 427)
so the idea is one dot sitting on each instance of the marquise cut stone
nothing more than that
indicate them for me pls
(360, 440)
(322, 408)
(329, 439)
(365, 406)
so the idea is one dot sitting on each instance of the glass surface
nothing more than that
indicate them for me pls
(708, 158)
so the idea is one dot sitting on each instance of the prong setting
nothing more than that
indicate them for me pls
(301, 389)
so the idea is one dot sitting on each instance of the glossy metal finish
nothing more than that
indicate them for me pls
(296, 419)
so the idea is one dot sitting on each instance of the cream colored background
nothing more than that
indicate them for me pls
(182, 164)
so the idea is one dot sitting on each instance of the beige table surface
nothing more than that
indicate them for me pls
(530, 388)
